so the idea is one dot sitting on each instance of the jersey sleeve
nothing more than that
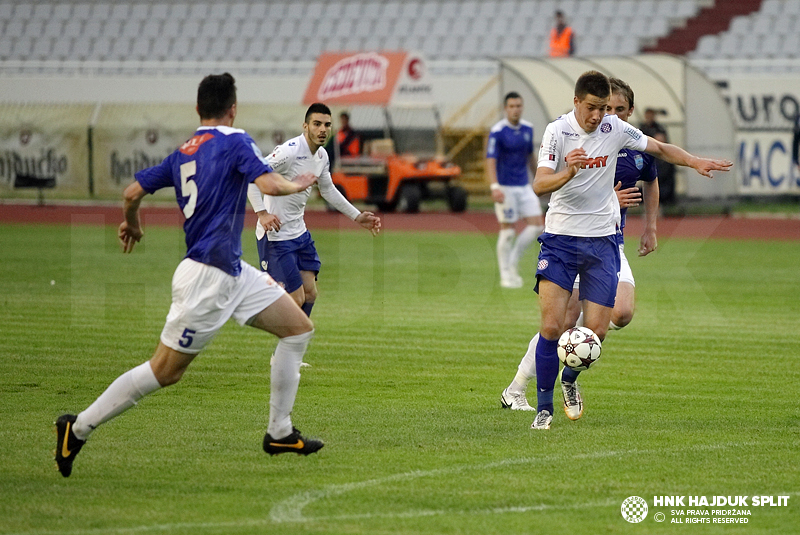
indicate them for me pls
(492, 146)
(280, 159)
(632, 136)
(650, 170)
(333, 196)
(552, 146)
(157, 177)
(250, 160)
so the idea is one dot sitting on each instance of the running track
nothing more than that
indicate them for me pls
(721, 227)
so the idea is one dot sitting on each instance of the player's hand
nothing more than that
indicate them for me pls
(128, 236)
(305, 180)
(498, 196)
(705, 166)
(269, 221)
(576, 160)
(369, 221)
(648, 243)
(627, 197)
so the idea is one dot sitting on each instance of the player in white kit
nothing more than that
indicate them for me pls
(577, 164)
(285, 248)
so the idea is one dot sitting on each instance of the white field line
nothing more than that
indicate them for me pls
(290, 510)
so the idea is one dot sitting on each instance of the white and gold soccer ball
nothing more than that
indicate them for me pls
(579, 348)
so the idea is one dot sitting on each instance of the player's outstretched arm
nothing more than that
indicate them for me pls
(130, 231)
(548, 181)
(369, 221)
(676, 155)
(275, 184)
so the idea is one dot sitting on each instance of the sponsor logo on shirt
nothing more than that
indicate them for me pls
(191, 146)
(570, 134)
(599, 161)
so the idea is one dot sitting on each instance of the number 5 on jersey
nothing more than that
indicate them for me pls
(189, 187)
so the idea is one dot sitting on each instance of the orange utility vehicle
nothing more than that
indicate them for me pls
(394, 180)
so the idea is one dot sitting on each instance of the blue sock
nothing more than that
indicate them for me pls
(307, 308)
(568, 375)
(546, 372)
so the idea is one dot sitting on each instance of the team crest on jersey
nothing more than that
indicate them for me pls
(605, 128)
(639, 161)
(191, 146)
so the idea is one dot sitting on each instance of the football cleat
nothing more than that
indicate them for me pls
(542, 420)
(516, 401)
(294, 443)
(511, 280)
(573, 402)
(68, 444)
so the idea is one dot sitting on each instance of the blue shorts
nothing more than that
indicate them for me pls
(284, 260)
(596, 260)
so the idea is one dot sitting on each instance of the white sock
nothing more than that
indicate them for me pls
(524, 240)
(284, 381)
(579, 323)
(505, 244)
(120, 396)
(526, 371)
(613, 327)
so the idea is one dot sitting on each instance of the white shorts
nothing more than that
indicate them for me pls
(520, 202)
(625, 273)
(205, 297)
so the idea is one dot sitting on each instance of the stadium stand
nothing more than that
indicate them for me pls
(139, 30)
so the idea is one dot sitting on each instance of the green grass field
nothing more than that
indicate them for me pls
(415, 341)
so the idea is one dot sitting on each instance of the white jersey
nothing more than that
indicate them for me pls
(586, 206)
(291, 159)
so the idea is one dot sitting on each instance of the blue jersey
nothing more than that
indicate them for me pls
(512, 147)
(633, 166)
(210, 174)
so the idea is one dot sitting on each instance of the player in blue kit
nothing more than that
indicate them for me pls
(210, 173)
(509, 168)
(577, 164)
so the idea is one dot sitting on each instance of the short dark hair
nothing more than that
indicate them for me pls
(317, 107)
(618, 86)
(344, 114)
(512, 94)
(216, 94)
(592, 83)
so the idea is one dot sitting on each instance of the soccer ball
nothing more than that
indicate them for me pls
(579, 348)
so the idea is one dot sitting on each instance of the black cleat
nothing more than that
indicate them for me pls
(294, 443)
(68, 444)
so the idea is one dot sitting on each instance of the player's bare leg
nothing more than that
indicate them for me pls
(287, 321)
(623, 306)
(310, 291)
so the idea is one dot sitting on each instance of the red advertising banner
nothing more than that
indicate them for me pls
(355, 78)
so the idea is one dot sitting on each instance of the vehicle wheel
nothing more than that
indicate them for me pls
(410, 196)
(457, 198)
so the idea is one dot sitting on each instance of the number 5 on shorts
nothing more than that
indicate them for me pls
(186, 338)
